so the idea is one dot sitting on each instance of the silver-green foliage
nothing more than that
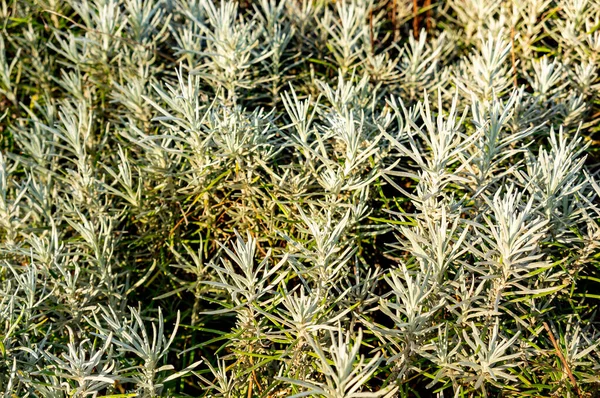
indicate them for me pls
(298, 198)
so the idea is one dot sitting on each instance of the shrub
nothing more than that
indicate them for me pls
(352, 198)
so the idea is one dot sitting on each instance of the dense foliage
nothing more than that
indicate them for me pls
(350, 198)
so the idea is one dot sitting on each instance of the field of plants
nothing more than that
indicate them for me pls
(293, 198)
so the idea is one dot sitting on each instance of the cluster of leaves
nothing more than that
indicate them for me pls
(299, 198)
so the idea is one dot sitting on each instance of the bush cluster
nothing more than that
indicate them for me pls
(349, 198)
